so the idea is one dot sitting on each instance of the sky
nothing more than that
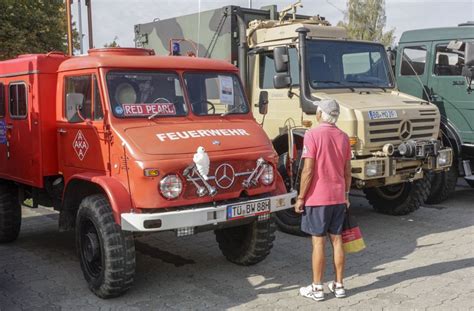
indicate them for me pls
(116, 18)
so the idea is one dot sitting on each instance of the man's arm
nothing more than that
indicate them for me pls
(348, 178)
(305, 182)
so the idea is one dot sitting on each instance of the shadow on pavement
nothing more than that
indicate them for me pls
(191, 273)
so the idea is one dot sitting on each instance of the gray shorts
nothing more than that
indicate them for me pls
(319, 220)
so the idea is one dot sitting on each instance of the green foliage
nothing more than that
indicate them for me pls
(33, 26)
(112, 44)
(365, 20)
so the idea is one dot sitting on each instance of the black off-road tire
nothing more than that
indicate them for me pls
(470, 182)
(399, 201)
(288, 220)
(10, 213)
(248, 244)
(443, 185)
(106, 253)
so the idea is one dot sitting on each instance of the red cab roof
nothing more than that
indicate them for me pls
(141, 58)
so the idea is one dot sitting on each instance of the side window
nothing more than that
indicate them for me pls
(267, 69)
(447, 62)
(413, 60)
(2, 100)
(79, 87)
(98, 112)
(18, 97)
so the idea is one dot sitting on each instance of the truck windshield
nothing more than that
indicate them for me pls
(215, 94)
(145, 94)
(342, 64)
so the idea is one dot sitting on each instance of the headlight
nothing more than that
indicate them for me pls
(171, 186)
(443, 158)
(267, 175)
(374, 169)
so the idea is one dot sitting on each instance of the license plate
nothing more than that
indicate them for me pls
(248, 209)
(382, 114)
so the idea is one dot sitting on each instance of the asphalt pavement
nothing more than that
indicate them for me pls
(421, 261)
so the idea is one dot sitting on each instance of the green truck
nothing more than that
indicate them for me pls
(431, 64)
(287, 63)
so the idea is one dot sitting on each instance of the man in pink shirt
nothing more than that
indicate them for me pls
(324, 195)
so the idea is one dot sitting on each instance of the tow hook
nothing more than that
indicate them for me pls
(418, 171)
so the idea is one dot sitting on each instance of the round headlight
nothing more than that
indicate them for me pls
(267, 175)
(171, 186)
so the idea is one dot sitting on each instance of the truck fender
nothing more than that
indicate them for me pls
(84, 184)
(280, 143)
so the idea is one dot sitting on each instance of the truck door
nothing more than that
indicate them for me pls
(412, 69)
(280, 106)
(449, 91)
(20, 132)
(81, 141)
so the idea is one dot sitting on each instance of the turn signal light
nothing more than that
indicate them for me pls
(151, 172)
(307, 123)
(353, 140)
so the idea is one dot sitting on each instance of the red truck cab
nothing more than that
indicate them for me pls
(122, 141)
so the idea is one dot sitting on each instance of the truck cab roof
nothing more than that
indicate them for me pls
(437, 34)
(141, 58)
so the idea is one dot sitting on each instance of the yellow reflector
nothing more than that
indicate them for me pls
(307, 123)
(151, 172)
(353, 140)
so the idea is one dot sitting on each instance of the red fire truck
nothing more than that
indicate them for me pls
(122, 141)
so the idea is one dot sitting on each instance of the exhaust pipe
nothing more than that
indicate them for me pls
(306, 99)
(70, 49)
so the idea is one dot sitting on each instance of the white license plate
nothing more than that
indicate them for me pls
(248, 209)
(382, 114)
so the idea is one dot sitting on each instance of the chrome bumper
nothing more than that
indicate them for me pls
(202, 216)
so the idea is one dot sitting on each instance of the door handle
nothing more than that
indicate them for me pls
(9, 126)
(62, 131)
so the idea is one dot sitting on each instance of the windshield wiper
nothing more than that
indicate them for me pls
(154, 115)
(328, 81)
(368, 83)
(230, 111)
(335, 82)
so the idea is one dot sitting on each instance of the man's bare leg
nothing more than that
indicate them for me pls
(318, 259)
(339, 257)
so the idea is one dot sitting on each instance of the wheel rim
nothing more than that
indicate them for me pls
(91, 252)
(391, 192)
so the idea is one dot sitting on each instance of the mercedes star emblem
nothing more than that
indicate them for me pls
(225, 176)
(405, 130)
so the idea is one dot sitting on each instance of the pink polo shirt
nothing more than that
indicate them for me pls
(330, 148)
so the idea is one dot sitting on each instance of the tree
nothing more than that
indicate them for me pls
(33, 26)
(365, 20)
(112, 44)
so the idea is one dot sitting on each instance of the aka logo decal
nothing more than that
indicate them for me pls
(80, 145)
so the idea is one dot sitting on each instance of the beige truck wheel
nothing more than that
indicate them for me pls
(399, 199)
(10, 213)
(443, 185)
(287, 220)
(248, 244)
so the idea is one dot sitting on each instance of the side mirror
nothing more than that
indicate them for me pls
(73, 105)
(469, 54)
(281, 59)
(468, 69)
(392, 56)
(281, 80)
(263, 102)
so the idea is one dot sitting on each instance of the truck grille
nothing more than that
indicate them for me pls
(390, 131)
(241, 171)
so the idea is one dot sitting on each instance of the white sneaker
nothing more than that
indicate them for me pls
(315, 292)
(337, 289)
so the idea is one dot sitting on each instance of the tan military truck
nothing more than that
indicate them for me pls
(288, 62)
